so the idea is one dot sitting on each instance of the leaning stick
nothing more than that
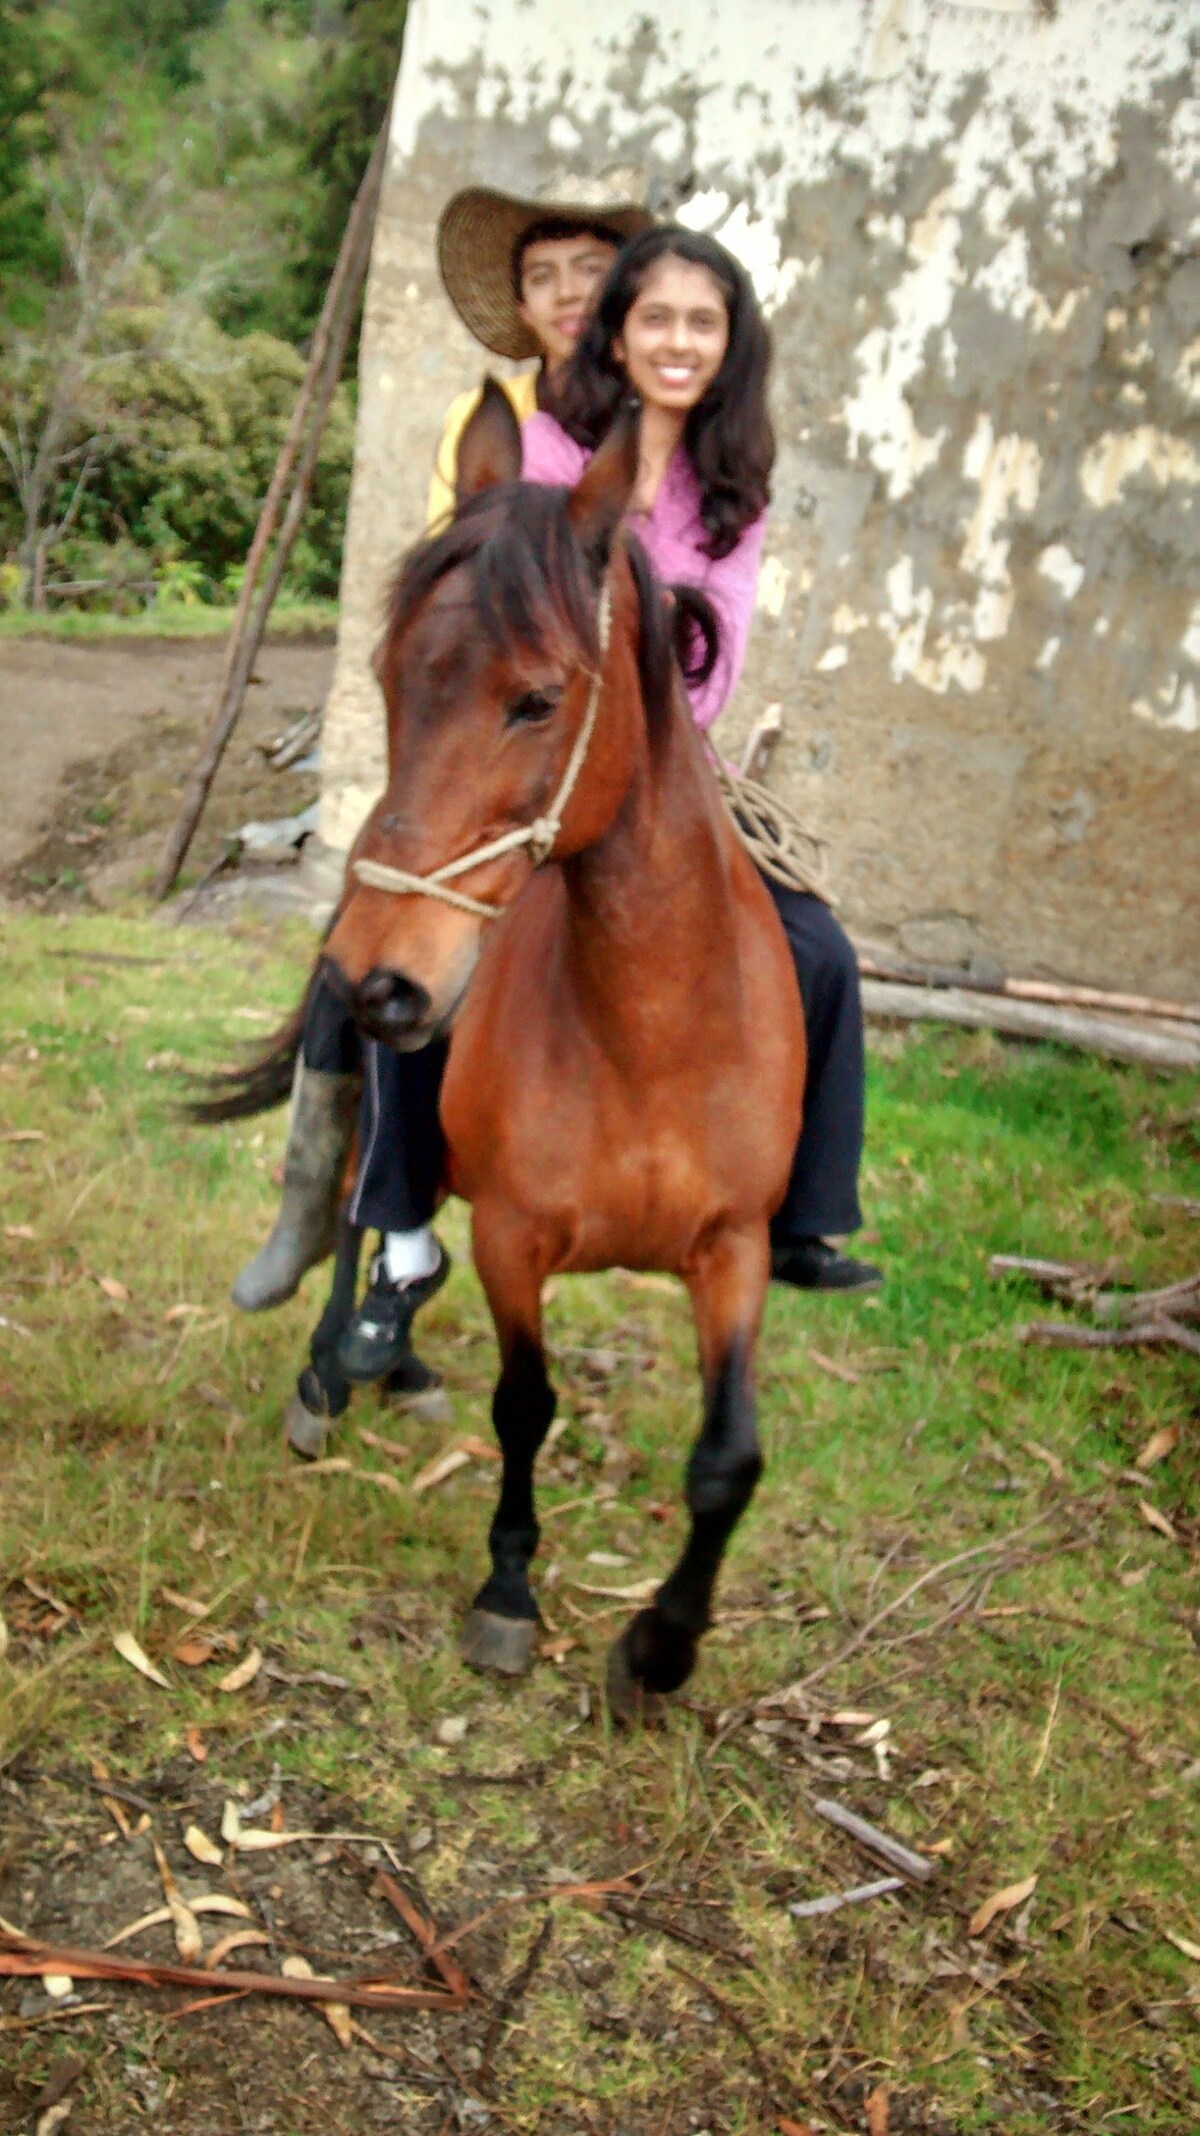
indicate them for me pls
(309, 414)
(1173, 1046)
(21, 1956)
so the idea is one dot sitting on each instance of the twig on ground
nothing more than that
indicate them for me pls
(935, 1572)
(23, 1956)
(511, 1995)
(833, 1901)
(424, 1933)
(734, 2018)
(642, 1917)
(892, 1851)
(545, 1895)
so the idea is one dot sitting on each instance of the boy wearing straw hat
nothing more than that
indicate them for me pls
(522, 276)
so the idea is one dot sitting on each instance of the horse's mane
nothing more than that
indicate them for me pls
(535, 588)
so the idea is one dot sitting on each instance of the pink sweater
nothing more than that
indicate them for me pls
(671, 533)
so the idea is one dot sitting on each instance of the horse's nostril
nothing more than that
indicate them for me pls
(391, 1001)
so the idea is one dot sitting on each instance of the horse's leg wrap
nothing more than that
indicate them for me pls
(656, 1653)
(502, 1627)
(320, 1130)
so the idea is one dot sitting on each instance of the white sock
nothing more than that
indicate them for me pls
(408, 1255)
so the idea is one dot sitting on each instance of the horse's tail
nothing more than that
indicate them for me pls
(263, 1082)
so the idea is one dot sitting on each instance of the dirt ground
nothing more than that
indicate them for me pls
(99, 739)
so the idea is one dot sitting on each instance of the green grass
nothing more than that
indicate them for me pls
(1050, 1729)
(170, 619)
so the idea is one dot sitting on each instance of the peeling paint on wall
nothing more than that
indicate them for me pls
(975, 231)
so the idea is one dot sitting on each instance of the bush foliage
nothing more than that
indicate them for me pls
(174, 181)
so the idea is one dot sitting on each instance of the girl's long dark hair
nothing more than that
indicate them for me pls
(728, 434)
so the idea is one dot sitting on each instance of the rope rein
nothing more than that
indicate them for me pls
(771, 832)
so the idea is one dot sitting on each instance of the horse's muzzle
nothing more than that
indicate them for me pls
(393, 1009)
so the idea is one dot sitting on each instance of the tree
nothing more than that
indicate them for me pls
(336, 128)
(28, 251)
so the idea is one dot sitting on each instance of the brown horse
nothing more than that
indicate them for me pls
(625, 1074)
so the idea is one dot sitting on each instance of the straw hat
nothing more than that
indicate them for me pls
(478, 232)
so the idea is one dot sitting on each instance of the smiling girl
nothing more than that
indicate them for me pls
(678, 326)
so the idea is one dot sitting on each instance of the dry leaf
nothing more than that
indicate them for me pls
(636, 1591)
(58, 1985)
(794, 2128)
(999, 1903)
(834, 1369)
(19, 1231)
(3, 1638)
(239, 1940)
(193, 1652)
(191, 1603)
(244, 1673)
(182, 1312)
(1158, 1521)
(381, 1479)
(52, 2120)
(435, 1472)
(195, 1745)
(23, 1134)
(1043, 1453)
(130, 1651)
(875, 2107)
(1158, 1446)
(201, 1847)
(115, 1810)
(188, 1940)
(231, 1824)
(1183, 1943)
(336, 2015)
(114, 1290)
(331, 1465)
(557, 1649)
(256, 1839)
(637, 1281)
(480, 1449)
(209, 1902)
(393, 1447)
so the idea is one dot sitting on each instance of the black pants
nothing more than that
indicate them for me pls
(401, 1137)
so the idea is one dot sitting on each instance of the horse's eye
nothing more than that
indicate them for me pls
(533, 709)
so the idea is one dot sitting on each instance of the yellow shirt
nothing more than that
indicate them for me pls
(522, 393)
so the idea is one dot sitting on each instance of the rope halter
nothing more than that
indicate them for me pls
(541, 836)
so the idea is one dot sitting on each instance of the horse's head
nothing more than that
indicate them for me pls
(488, 667)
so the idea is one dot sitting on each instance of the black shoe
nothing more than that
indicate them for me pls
(811, 1264)
(376, 1341)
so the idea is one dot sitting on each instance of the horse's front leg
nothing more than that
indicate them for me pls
(322, 1391)
(501, 1631)
(656, 1653)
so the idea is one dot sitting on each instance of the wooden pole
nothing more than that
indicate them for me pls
(297, 454)
(1054, 992)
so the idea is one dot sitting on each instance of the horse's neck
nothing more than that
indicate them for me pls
(650, 915)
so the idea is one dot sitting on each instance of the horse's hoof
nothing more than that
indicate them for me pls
(505, 1645)
(629, 1702)
(430, 1405)
(305, 1431)
(415, 1388)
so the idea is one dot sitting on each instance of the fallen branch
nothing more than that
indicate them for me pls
(22, 1956)
(1150, 1334)
(1177, 1048)
(1053, 992)
(892, 1851)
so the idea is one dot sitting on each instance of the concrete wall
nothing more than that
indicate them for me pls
(975, 229)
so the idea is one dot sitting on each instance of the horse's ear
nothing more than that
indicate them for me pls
(489, 449)
(600, 498)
